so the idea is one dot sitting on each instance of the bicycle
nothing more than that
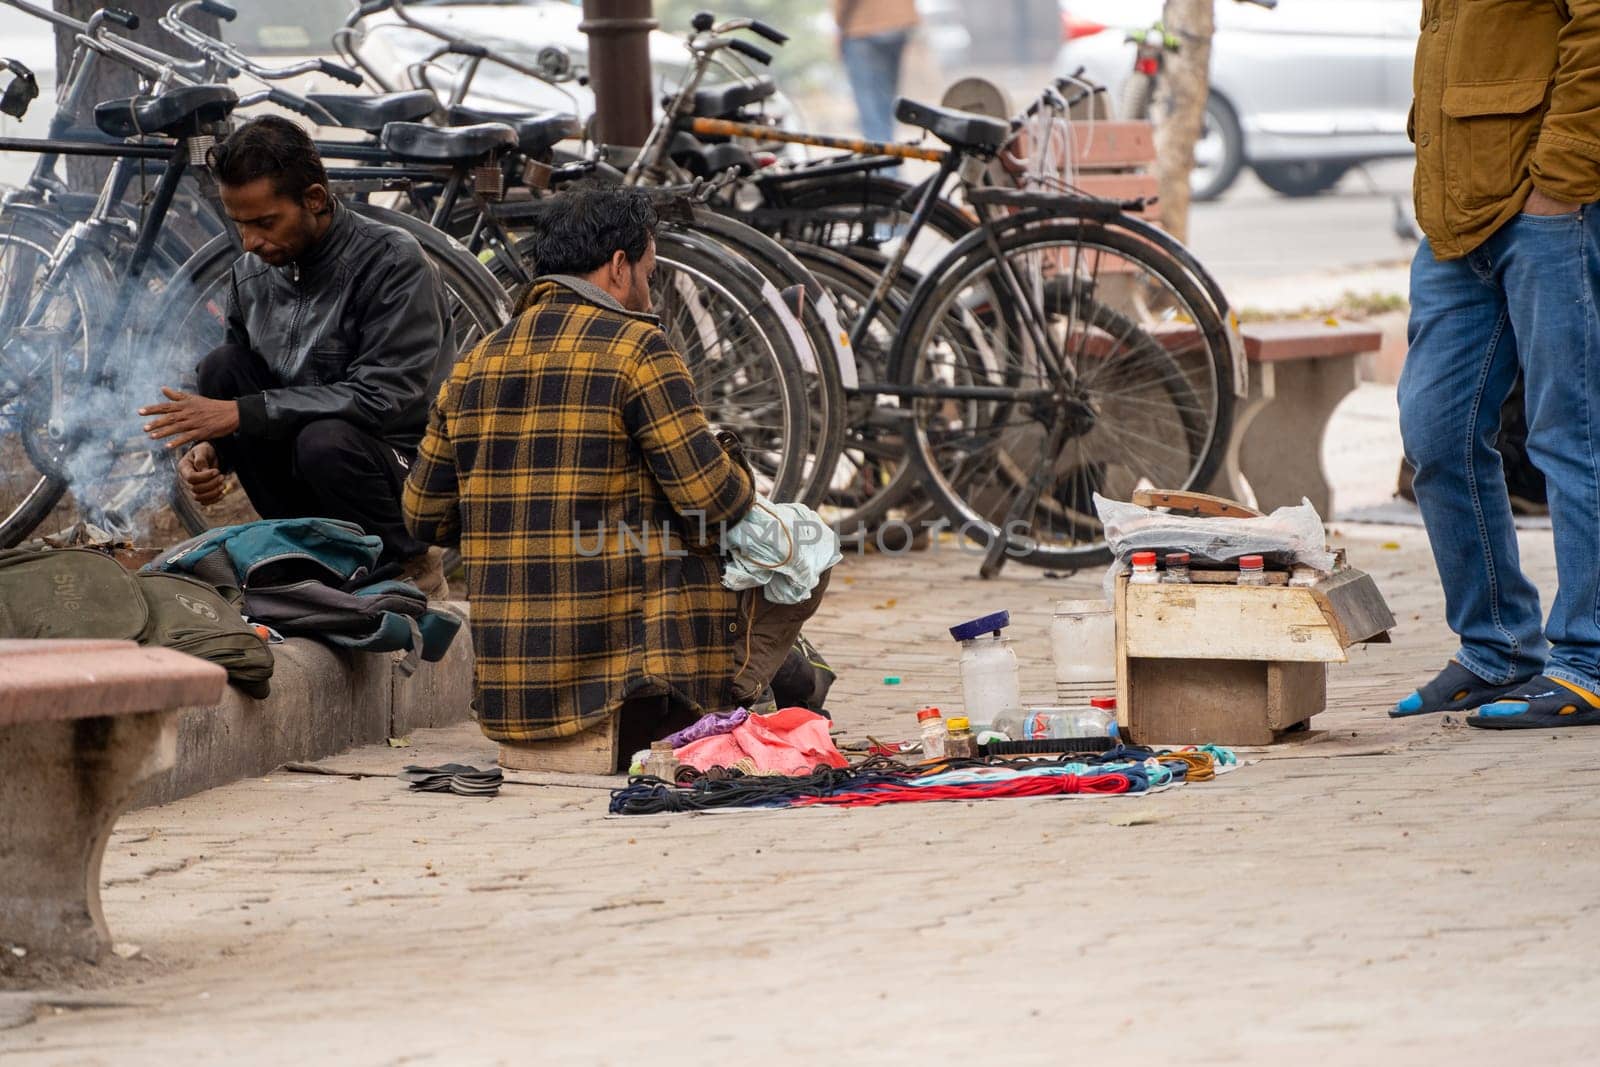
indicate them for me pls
(1016, 436)
(74, 363)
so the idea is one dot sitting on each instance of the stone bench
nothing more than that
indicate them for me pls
(82, 724)
(1299, 372)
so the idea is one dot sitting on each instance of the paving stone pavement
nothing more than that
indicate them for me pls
(1382, 892)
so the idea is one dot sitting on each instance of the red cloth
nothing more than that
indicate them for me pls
(792, 741)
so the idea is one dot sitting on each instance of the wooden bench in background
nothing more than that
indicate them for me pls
(1299, 372)
(82, 723)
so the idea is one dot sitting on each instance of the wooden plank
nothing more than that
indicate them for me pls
(1119, 612)
(1228, 622)
(1199, 503)
(1295, 692)
(1354, 607)
(1108, 145)
(1231, 577)
(1198, 702)
(594, 751)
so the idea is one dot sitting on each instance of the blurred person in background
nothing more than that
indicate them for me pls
(1507, 179)
(873, 35)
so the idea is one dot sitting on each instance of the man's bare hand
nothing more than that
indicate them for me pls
(1540, 204)
(202, 474)
(187, 419)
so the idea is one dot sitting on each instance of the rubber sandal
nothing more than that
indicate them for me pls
(1453, 689)
(1541, 704)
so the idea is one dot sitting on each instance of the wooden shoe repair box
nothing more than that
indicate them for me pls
(1214, 662)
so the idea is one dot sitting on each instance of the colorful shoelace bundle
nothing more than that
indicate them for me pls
(881, 780)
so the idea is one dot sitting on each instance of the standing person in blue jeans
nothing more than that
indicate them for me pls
(873, 35)
(1507, 179)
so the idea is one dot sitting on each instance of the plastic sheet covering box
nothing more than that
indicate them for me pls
(1216, 662)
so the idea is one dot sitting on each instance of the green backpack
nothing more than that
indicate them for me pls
(191, 616)
(81, 593)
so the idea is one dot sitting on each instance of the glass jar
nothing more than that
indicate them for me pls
(1177, 569)
(960, 744)
(1252, 570)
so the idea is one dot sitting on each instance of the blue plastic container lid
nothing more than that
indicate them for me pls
(989, 624)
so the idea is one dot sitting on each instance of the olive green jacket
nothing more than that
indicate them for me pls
(1507, 99)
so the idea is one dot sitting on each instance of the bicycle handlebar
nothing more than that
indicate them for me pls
(773, 34)
(342, 73)
(750, 51)
(126, 19)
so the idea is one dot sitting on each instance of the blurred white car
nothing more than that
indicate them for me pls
(1301, 94)
(519, 29)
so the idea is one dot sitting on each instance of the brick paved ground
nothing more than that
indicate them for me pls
(1413, 892)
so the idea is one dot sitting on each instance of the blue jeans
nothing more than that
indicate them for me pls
(873, 66)
(1526, 298)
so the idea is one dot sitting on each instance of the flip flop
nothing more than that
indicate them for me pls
(1540, 704)
(1453, 689)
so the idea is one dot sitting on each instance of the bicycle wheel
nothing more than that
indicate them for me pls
(871, 482)
(46, 355)
(189, 321)
(826, 359)
(1118, 372)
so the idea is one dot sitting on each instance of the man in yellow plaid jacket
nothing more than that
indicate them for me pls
(551, 447)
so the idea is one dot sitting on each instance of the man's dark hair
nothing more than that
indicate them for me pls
(269, 147)
(580, 229)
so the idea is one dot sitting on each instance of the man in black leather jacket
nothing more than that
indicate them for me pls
(338, 336)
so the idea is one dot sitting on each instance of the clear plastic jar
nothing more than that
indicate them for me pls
(1252, 570)
(934, 735)
(1144, 569)
(1083, 644)
(1177, 569)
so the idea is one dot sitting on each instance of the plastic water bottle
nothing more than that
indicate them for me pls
(1061, 724)
(989, 684)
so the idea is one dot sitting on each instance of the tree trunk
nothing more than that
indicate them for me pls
(1181, 107)
(111, 79)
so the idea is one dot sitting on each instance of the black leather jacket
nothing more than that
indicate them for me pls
(357, 330)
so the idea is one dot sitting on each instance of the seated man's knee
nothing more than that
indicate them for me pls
(222, 372)
(322, 443)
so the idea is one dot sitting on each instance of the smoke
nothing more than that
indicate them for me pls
(93, 436)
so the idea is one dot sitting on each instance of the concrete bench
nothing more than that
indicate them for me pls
(1299, 372)
(82, 723)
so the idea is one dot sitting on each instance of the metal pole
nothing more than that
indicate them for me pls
(619, 68)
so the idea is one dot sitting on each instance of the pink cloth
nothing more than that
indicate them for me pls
(791, 741)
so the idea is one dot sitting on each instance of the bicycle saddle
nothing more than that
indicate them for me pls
(458, 144)
(536, 134)
(364, 111)
(180, 112)
(959, 129)
(722, 101)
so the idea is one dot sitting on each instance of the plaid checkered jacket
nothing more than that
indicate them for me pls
(555, 455)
